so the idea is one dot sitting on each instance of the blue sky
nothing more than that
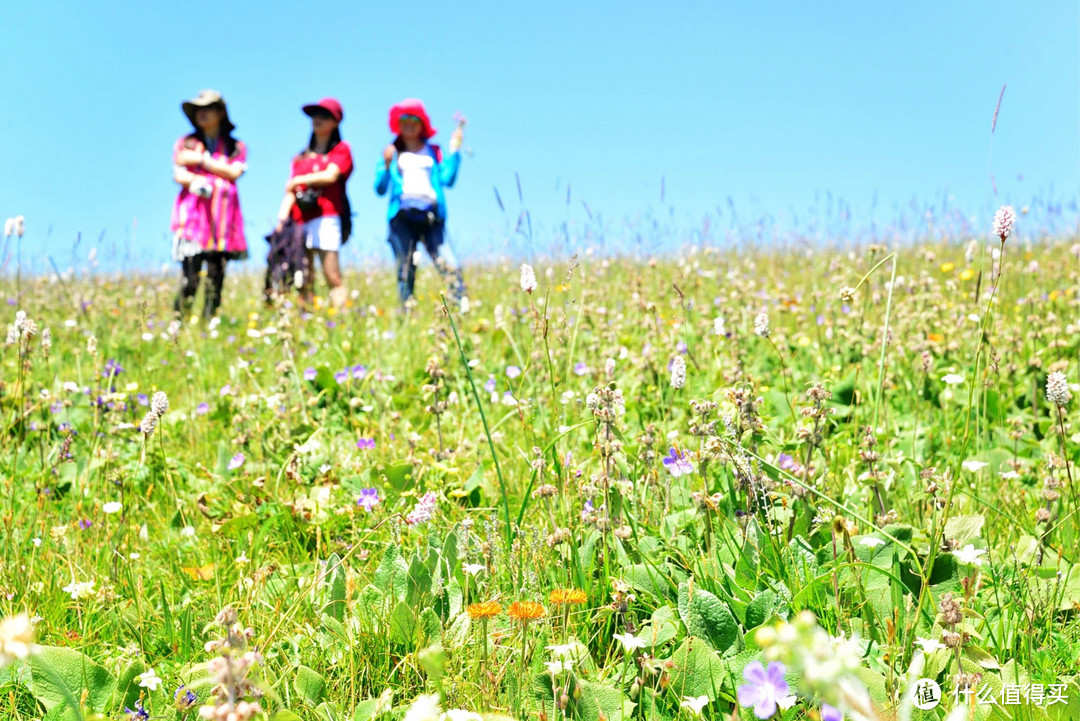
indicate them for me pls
(776, 105)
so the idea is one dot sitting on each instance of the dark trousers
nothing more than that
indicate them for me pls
(406, 237)
(189, 282)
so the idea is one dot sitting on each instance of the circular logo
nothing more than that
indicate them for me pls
(925, 694)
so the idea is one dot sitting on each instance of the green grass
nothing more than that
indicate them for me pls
(827, 471)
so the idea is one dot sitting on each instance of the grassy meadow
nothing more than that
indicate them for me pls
(609, 498)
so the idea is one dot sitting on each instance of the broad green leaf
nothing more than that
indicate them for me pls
(336, 570)
(126, 691)
(696, 670)
(707, 617)
(62, 674)
(391, 577)
(602, 703)
(963, 529)
(309, 685)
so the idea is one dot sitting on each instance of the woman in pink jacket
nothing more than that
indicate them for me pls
(207, 225)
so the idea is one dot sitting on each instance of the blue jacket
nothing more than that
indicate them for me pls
(443, 175)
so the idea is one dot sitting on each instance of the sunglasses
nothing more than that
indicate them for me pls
(410, 119)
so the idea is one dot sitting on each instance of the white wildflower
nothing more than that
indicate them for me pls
(678, 372)
(761, 324)
(150, 680)
(16, 638)
(112, 507)
(79, 589)
(1004, 219)
(528, 278)
(969, 554)
(1057, 389)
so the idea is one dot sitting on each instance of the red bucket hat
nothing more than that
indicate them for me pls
(330, 105)
(410, 106)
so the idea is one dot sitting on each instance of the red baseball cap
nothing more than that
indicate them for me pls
(410, 106)
(330, 105)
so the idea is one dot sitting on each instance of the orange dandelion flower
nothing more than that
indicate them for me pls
(487, 609)
(525, 610)
(565, 596)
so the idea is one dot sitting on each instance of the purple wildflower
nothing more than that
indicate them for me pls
(678, 464)
(359, 371)
(85, 523)
(366, 444)
(142, 399)
(489, 386)
(512, 372)
(586, 510)
(185, 698)
(785, 462)
(581, 368)
(112, 368)
(236, 461)
(764, 687)
(310, 373)
(138, 713)
(225, 390)
(202, 409)
(423, 510)
(830, 713)
(341, 376)
(369, 498)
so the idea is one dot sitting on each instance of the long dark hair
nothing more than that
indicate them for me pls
(335, 140)
(225, 139)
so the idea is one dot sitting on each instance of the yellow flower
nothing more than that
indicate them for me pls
(947, 267)
(967, 274)
(804, 341)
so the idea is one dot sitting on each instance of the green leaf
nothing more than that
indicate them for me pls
(392, 574)
(284, 714)
(761, 608)
(696, 670)
(60, 675)
(126, 691)
(419, 580)
(336, 568)
(458, 633)
(327, 711)
(599, 702)
(400, 475)
(309, 685)
(430, 625)
(403, 624)
(963, 529)
(646, 578)
(707, 617)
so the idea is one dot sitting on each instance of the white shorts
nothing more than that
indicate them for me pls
(322, 233)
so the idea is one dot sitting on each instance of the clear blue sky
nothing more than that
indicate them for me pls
(774, 104)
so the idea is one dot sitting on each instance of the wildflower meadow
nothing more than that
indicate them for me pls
(775, 482)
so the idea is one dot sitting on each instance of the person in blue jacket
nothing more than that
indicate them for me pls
(415, 173)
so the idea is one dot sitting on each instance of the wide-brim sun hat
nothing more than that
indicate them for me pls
(330, 105)
(207, 99)
(410, 106)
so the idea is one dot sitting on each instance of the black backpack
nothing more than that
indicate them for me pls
(346, 215)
